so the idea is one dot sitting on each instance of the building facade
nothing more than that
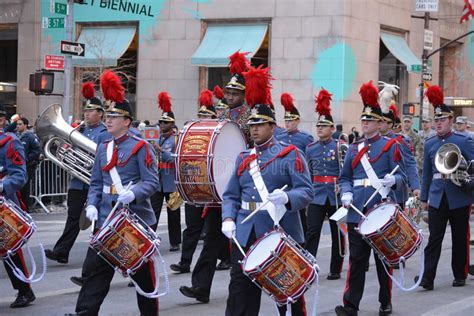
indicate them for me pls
(180, 46)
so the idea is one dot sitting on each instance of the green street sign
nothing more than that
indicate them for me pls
(416, 68)
(53, 23)
(60, 8)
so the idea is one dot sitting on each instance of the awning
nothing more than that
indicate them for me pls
(221, 41)
(104, 45)
(400, 49)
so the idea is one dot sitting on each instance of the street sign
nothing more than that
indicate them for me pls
(426, 5)
(426, 76)
(428, 40)
(53, 23)
(53, 62)
(60, 8)
(73, 48)
(416, 68)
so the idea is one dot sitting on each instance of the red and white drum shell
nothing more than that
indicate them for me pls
(16, 227)
(205, 159)
(280, 267)
(390, 232)
(125, 242)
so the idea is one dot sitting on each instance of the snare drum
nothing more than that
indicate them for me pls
(280, 267)
(16, 227)
(205, 159)
(125, 242)
(390, 232)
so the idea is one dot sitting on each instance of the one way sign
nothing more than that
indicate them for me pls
(73, 48)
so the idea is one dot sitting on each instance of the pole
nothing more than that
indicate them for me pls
(68, 61)
(424, 67)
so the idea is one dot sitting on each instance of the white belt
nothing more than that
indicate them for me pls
(441, 176)
(250, 206)
(112, 189)
(362, 182)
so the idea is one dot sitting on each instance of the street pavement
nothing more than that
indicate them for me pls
(57, 295)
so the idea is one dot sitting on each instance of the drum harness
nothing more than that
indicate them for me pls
(384, 191)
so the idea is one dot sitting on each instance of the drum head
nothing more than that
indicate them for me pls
(228, 146)
(262, 251)
(377, 218)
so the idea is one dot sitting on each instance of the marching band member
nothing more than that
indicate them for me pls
(324, 166)
(120, 160)
(241, 196)
(215, 243)
(165, 148)
(234, 93)
(221, 106)
(444, 200)
(77, 192)
(12, 179)
(292, 120)
(367, 166)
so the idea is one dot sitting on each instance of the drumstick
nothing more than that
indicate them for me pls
(238, 245)
(117, 204)
(260, 207)
(380, 187)
(358, 211)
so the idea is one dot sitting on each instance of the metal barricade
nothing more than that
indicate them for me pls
(49, 181)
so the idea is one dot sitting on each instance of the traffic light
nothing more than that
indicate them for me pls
(408, 109)
(42, 82)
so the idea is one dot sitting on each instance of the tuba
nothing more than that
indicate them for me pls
(342, 147)
(65, 145)
(450, 163)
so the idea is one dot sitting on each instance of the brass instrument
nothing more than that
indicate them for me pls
(175, 201)
(65, 145)
(450, 163)
(342, 147)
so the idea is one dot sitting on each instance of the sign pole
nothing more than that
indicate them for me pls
(68, 61)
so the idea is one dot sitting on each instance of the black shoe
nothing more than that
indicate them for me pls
(385, 309)
(223, 265)
(334, 276)
(459, 282)
(23, 299)
(75, 314)
(174, 248)
(130, 284)
(471, 269)
(51, 255)
(180, 267)
(427, 285)
(195, 292)
(345, 311)
(78, 280)
(471, 242)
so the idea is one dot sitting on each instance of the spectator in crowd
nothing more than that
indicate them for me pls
(32, 153)
(426, 130)
(338, 132)
(354, 135)
(416, 143)
(461, 126)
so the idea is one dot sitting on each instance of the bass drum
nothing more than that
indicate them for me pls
(205, 159)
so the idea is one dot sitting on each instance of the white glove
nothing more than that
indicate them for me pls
(92, 213)
(346, 199)
(388, 181)
(228, 229)
(278, 197)
(126, 196)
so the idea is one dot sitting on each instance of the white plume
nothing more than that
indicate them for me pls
(386, 95)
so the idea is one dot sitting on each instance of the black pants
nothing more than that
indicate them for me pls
(304, 221)
(25, 191)
(359, 254)
(194, 225)
(460, 234)
(19, 261)
(316, 215)
(174, 217)
(203, 272)
(75, 205)
(244, 296)
(97, 285)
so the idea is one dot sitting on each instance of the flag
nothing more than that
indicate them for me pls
(467, 11)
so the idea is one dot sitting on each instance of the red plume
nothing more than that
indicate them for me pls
(206, 98)
(257, 85)
(287, 101)
(394, 109)
(112, 88)
(369, 94)
(323, 102)
(238, 63)
(88, 91)
(164, 101)
(218, 93)
(269, 101)
(435, 95)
